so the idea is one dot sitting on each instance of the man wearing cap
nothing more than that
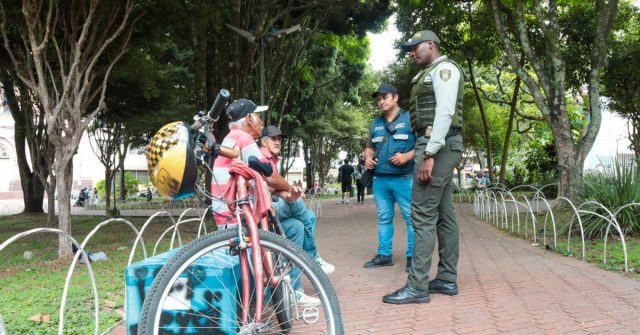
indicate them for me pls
(389, 152)
(245, 125)
(436, 119)
(292, 215)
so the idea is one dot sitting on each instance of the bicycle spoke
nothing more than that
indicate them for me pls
(284, 309)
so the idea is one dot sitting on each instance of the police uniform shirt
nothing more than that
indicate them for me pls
(445, 77)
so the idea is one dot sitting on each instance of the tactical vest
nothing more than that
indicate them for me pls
(399, 138)
(423, 98)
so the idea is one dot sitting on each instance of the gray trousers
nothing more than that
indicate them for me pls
(433, 215)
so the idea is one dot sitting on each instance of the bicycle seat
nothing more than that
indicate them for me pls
(264, 169)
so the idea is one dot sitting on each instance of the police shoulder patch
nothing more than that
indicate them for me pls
(445, 74)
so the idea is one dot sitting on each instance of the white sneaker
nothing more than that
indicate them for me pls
(305, 300)
(326, 267)
(346, 202)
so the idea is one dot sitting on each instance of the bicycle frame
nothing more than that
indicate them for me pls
(264, 256)
(263, 265)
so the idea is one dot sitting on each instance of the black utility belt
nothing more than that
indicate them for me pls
(426, 131)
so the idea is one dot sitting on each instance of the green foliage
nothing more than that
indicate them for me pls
(131, 185)
(101, 188)
(613, 190)
(622, 76)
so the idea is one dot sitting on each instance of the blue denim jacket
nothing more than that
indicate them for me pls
(400, 138)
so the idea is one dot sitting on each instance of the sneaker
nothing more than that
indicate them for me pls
(346, 202)
(305, 300)
(326, 267)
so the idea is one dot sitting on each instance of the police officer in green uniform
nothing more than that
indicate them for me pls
(436, 119)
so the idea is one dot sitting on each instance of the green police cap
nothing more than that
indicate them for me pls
(419, 37)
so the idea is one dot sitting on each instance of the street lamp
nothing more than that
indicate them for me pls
(252, 39)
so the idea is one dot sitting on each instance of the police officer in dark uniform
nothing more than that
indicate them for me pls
(436, 119)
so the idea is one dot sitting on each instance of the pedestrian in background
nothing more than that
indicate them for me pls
(345, 172)
(360, 168)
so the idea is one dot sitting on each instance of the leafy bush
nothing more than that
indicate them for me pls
(613, 190)
(131, 185)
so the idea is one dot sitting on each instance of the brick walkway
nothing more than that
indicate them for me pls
(506, 285)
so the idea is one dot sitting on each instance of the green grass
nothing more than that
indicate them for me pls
(30, 287)
(593, 247)
(613, 190)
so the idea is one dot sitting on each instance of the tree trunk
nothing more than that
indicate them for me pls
(570, 170)
(108, 177)
(569, 162)
(123, 183)
(309, 173)
(32, 188)
(51, 201)
(64, 176)
(633, 125)
(507, 137)
(485, 124)
(505, 146)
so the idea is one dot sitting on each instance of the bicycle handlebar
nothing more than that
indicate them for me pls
(214, 112)
(218, 105)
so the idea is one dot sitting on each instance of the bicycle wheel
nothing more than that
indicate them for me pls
(284, 300)
(199, 290)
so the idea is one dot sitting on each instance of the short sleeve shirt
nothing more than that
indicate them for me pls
(247, 146)
(268, 157)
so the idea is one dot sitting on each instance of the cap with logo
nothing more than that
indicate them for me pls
(384, 88)
(419, 37)
(272, 131)
(241, 108)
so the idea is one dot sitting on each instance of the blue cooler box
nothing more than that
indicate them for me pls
(220, 274)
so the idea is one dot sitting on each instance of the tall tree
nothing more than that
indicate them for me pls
(533, 28)
(27, 138)
(622, 76)
(68, 52)
(467, 37)
(105, 140)
(32, 145)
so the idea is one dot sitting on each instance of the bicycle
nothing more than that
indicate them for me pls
(257, 267)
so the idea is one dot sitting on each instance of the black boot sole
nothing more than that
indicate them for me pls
(376, 266)
(407, 301)
(445, 292)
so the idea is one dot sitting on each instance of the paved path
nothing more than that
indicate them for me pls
(506, 285)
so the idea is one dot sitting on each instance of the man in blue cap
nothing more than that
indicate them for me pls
(389, 152)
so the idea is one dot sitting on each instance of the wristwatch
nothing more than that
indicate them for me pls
(427, 155)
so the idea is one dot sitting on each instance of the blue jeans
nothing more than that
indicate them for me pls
(299, 211)
(387, 190)
(294, 231)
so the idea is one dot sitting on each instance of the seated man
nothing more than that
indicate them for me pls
(245, 126)
(296, 210)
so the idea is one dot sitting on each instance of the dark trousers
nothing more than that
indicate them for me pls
(360, 193)
(433, 216)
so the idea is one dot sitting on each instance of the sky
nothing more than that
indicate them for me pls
(612, 136)
(382, 51)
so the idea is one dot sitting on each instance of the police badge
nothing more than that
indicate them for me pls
(445, 74)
